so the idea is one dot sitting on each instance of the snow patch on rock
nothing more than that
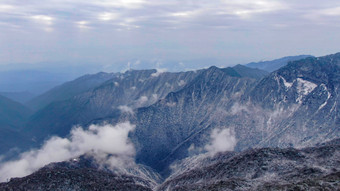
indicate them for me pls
(287, 84)
(304, 87)
(328, 96)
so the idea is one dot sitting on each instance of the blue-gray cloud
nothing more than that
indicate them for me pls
(110, 31)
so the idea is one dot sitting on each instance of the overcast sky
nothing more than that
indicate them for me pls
(112, 32)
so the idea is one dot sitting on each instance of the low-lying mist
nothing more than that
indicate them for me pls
(108, 144)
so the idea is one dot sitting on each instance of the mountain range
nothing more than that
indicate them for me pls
(273, 124)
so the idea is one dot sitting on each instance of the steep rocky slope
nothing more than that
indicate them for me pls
(13, 142)
(69, 89)
(261, 169)
(12, 116)
(186, 117)
(20, 97)
(121, 94)
(304, 100)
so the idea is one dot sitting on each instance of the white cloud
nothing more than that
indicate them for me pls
(82, 24)
(107, 16)
(142, 100)
(221, 140)
(137, 63)
(247, 9)
(181, 83)
(154, 97)
(237, 108)
(158, 72)
(127, 4)
(331, 11)
(323, 15)
(97, 140)
(6, 8)
(171, 104)
(185, 14)
(9, 25)
(44, 19)
(125, 109)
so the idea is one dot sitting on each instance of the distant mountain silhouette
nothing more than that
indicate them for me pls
(273, 65)
(13, 116)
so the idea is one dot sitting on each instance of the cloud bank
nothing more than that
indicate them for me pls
(100, 141)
